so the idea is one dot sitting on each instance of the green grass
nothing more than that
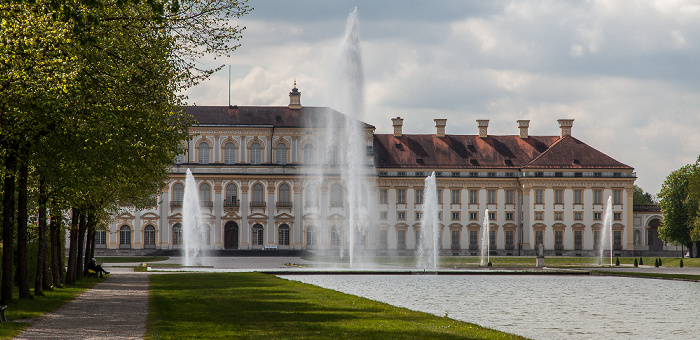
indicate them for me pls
(130, 259)
(32, 308)
(254, 306)
(650, 275)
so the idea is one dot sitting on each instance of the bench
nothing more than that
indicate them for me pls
(2, 313)
(270, 247)
(92, 273)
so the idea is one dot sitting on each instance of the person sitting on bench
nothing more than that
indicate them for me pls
(95, 268)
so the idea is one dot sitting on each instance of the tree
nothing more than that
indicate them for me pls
(679, 207)
(640, 197)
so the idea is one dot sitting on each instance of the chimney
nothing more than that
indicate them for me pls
(398, 123)
(523, 125)
(483, 126)
(295, 98)
(565, 126)
(440, 127)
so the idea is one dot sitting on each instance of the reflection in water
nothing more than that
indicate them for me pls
(540, 307)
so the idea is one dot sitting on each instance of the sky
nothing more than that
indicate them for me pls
(627, 72)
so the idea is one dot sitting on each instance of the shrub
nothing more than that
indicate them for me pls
(681, 265)
(641, 261)
(617, 261)
(635, 263)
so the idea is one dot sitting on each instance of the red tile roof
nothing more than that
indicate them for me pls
(495, 152)
(277, 116)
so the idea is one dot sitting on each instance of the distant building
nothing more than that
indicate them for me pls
(254, 165)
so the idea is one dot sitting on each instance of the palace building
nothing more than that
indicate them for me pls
(255, 167)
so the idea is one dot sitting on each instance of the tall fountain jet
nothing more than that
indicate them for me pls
(485, 240)
(192, 225)
(606, 234)
(429, 243)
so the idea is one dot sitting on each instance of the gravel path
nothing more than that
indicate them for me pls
(114, 309)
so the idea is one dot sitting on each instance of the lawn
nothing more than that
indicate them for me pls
(32, 308)
(254, 305)
(130, 259)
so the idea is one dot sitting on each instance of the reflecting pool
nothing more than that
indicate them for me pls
(539, 307)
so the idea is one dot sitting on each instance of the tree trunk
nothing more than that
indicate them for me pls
(88, 241)
(41, 258)
(73, 246)
(697, 248)
(691, 253)
(8, 224)
(79, 268)
(56, 260)
(22, 261)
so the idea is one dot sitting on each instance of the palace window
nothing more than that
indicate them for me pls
(281, 154)
(258, 198)
(203, 153)
(335, 236)
(558, 196)
(539, 215)
(311, 196)
(419, 238)
(383, 195)
(284, 197)
(383, 240)
(617, 196)
(491, 196)
(510, 197)
(178, 192)
(336, 195)
(558, 239)
(419, 196)
(454, 239)
(578, 216)
(125, 237)
(230, 153)
(492, 216)
(419, 215)
(310, 236)
(455, 196)
(597, 196)
(100, 237)
(177, 234)
(382, 215)
(473, 216)
(255, 153)
(258, 234)
(596, 239)
(204, 194)
(617, 240)
(455, 215)
(473, 239)
(539, 196)
(231, 199)
(510, 240)
(284, 235)
(578, 196)
(473, 196)
(401, 239)
(439, 195)
(510, 216)
(558, 216)
(539, 237)
(206, 236)
(401, 196)
(578, 240)
(597, 216)
(401, 215)
(309, 154)
(149, 236)
(492, 239)
(617, 216)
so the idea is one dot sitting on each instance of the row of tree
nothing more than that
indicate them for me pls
(680, 204)
(90, 117)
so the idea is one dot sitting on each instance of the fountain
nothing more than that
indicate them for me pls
(606, 233)
(346, 137)
(485, 240)
(429, 245)
(191, 222)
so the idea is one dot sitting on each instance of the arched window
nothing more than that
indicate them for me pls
(206, 234)
(100, 238)
(257, 234)
(203, 153)
(125, 237)
(255, 153)
(311, 196)
(336, 195)
(179, 159)
(284, 235)
(284, 200)
(149, 236)
(177, 234)
(178, 192)
(231, 199)
(335, 236)
(311, 237)
(230, 153)
(258, 198)
(308, 154)
(281, 153)
(205, 194)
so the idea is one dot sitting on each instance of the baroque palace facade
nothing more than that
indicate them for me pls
(254, 168)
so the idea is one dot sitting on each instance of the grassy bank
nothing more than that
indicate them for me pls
(649, 275)
(253, 305)
(28, 309)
